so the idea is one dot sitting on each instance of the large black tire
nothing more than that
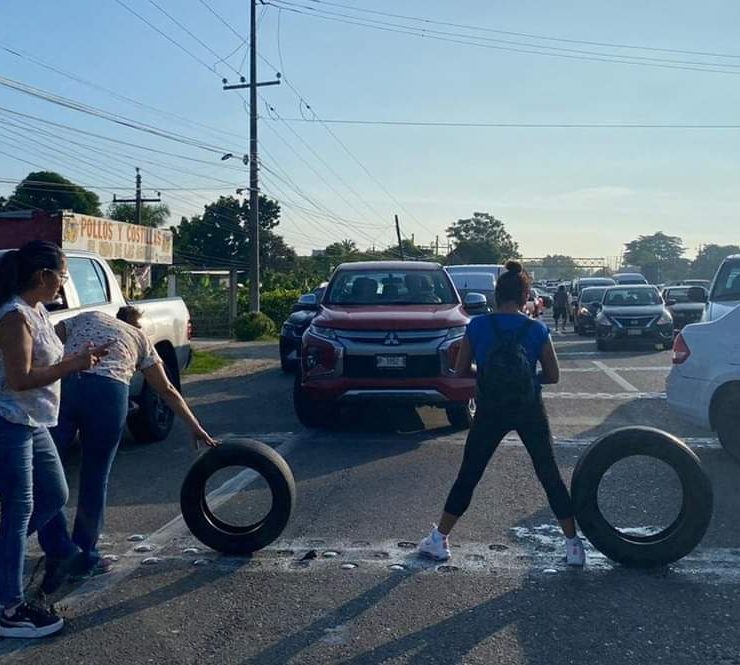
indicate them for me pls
(461, 416)
(310, 412)
(726, 412)
(230, 538)
(288, 366)
(673, 542)
(152, 421)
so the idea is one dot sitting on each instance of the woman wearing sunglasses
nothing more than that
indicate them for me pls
(32, 362)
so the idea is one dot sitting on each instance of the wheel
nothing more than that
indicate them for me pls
(461, 415)
(673, 542)
(286, 364)
(311, 413)
(230, 538)
(153, 419)
(725, 420)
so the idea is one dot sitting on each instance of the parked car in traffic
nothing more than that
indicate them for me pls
(724, 295)
(683, 307)
(633, 314)
(291, 332)
(589, 303)
(630, 278)
(577, 285)
(493, 269)
(704, 383)
(544, 296)
(387, 332)
(476, 282)
(92, 286)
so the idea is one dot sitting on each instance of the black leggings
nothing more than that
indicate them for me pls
(487, 432)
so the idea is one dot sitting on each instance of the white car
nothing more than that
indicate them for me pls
(725, 292)
(704, 383)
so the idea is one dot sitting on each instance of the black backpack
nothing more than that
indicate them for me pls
(506, 380)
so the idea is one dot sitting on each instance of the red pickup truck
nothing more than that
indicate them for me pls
(386, 331)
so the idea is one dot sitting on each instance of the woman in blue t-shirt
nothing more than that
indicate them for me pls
(491, 426)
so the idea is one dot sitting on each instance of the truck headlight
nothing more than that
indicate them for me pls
(665, 319)
(584, 311)
(320, 331)
(456, 333)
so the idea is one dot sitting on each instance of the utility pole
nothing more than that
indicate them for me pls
(398, 235)
(254, 219)
(138, 200)
(436, 246)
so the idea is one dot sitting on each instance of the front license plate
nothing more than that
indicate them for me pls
(634, 333)
(390, 362)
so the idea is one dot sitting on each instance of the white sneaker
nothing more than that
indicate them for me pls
(435, 546)
(575, 555)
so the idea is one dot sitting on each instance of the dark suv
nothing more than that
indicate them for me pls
(587, 309)
(633, 314)
(295, 325)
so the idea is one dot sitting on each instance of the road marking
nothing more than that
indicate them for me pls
(594, 370)
(533, 550)
(612, 374)
(604, 396)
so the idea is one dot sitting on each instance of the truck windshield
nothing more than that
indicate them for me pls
(632, 297)
(395, 287)
(727, 284)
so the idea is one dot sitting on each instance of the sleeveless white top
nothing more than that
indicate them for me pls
(37, 407)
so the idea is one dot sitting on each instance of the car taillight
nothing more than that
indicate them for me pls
(189, 329)
(681, 351)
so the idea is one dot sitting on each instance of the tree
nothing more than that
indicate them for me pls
(558, 266)
(151, 215)
(481, 239)
(46, 190)
(707, 261)
(220, 238)
(659, 254)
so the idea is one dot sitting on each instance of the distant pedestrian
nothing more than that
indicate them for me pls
(560, 306)
(32, 484)
(95, 403)
(506, 347)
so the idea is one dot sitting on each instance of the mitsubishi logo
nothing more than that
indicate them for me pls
(391, 339)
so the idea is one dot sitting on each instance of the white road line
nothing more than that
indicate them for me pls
(131, 560)
(612, 374)
(594, 370)
(604, 396)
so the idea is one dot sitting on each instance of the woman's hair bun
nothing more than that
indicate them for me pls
(514, 266)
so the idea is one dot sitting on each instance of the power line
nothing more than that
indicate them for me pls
(515, 125)
(482, 42)
(530, 35)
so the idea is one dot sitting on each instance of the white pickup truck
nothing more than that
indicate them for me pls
(93, 286)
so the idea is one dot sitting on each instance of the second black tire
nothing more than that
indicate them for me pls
(229, 538)
(643, 551)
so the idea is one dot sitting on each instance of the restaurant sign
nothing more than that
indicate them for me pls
(116, 240)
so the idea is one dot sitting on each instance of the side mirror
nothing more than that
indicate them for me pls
(697, 294)
(307, 302)
(475, 303)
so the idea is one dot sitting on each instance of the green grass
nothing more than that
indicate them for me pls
(205, 362)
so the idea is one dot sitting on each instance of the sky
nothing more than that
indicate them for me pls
(581, 191)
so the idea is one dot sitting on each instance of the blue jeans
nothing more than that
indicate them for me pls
(32, 490)
(97, 407)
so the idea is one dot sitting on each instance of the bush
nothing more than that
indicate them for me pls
(277, 304)
(254, 325)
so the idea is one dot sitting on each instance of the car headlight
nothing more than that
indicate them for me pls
(665, 319)
(457, 332)
(603, 320)
(584, 311)
(320, 331)
(286, 330)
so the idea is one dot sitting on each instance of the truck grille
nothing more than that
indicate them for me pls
(417, 367)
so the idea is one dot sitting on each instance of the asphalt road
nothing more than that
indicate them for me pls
(342, 584)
